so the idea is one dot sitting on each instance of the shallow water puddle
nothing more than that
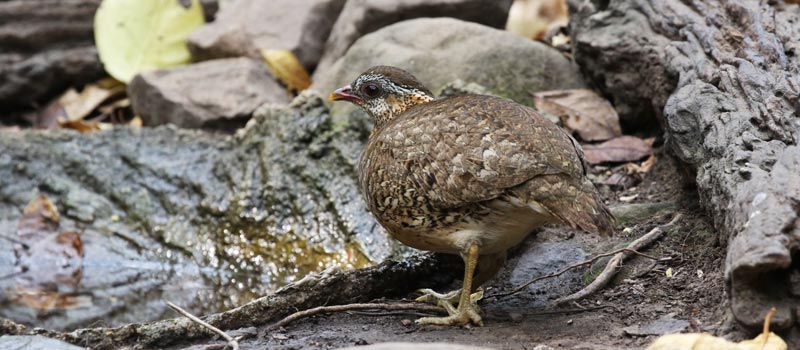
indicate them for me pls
(68, 277)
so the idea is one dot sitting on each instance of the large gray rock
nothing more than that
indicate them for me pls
(219, 93)
(361, 17)
(207, 221)
(442, 50)
(243, 27)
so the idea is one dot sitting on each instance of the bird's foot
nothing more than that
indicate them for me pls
(463, 315)
(432, 297)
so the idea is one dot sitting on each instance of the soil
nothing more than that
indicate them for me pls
(640, 294)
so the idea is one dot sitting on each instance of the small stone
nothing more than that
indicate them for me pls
(406, 323)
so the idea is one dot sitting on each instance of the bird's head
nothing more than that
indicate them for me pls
(384, 92)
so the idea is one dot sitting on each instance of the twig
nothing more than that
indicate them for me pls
(767, 320)
(353, 307)
(572, 267)
(232, 342)
(611, 267)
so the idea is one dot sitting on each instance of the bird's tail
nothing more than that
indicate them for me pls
(574, 202)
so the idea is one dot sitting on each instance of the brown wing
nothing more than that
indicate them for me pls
(464, 149)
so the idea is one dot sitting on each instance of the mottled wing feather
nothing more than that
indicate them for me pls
(464, 149)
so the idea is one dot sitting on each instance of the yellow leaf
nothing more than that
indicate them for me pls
(284, 65)
(705, 341)
(134, 35)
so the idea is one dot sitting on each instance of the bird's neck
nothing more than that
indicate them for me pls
(395, 107)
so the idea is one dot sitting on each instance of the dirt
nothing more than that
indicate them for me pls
(692, 292)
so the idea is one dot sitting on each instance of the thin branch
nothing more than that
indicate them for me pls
(232, 342)
(571, 267)
(353, 307)
(611, 267)
(630, 249)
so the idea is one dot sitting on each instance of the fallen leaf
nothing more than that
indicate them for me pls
(39, 215)
(704, 341)
(642, 168)
(78, 105)
(620, 149)
(532, 18)
(287, 68)
(134, 35)
(83, 125)
(48, 259)
(582, 111)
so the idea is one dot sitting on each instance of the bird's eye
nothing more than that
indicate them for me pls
(371, 90)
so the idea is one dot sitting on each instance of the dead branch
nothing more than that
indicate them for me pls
(354, 307)
(232, 342)
(572, 267)
(611, 267)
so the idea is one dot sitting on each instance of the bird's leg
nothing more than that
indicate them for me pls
(467, 310)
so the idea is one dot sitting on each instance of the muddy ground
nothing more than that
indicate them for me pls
(642, 302)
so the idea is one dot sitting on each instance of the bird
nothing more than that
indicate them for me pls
(471, 175)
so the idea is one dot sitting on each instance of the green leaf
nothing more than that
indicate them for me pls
(134, 35)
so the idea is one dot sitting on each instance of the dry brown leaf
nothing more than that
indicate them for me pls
(621, 149)
(641, 168)
(79, 105)
(83, 125)
(582, 111)
(48, 259)
(113, 106)
(533, 18)
(287, 68)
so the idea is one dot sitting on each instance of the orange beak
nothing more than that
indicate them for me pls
(344, 93)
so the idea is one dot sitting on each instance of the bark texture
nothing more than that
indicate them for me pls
(722, 76)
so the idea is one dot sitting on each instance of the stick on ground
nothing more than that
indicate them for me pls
(611, 267)
(232, 342)
(353, 307)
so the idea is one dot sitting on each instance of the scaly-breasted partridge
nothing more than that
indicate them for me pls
(470, 175)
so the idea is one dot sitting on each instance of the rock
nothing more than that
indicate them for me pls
(239, 215)
(44, 52)
(664, 325)
(243, 27)
(47, 46)
(34, 342)
(442, 50)
(218, 93)
(361, 17)
(543, 259)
